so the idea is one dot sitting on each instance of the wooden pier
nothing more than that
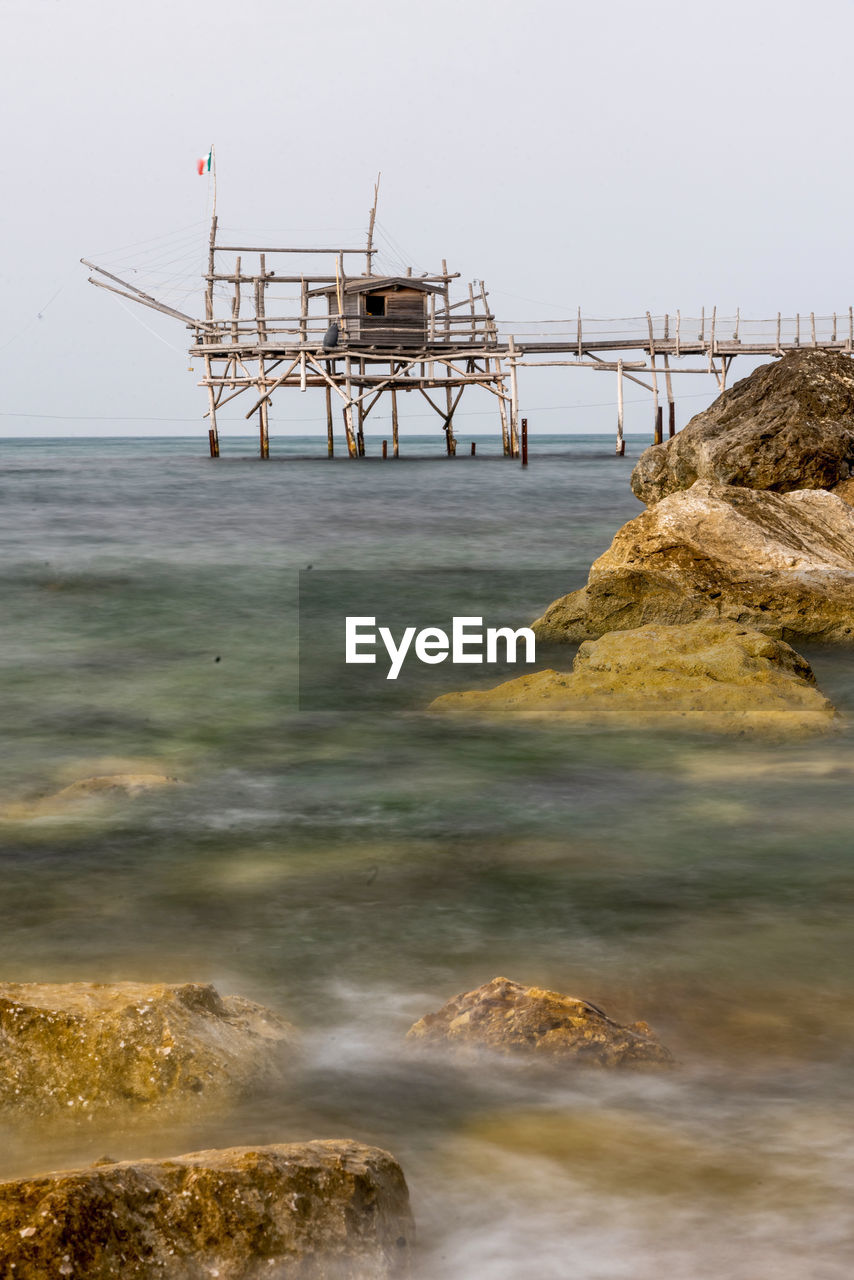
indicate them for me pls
(361, 337)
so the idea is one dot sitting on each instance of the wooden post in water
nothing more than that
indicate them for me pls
(621, 444)
(395, 442)
(671, 406)
(524, 442)
(473, 447)
(263, 420)
(330, 436)
(514, 400)
(385, 448)
(214, 443)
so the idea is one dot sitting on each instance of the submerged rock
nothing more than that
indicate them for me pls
(715, 676)
(782, 563)
(789, 425)
(317, 1210)
(510, 1018)
(80, 794)
(85, 1046)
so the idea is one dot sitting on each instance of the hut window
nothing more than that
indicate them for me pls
(374, 305)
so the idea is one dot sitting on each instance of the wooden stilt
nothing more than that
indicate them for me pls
(395, 441)
(330, 435)
(385, 448)
(524, 442)
(514, 398)
(656, 407)
(213, 434)
(473, 447)
(348, 410)
(263, 411)
(671, 406)
(621, 444)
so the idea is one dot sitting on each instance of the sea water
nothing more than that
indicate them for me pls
(354, 868)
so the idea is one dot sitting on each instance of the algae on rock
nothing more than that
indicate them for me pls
(84, 1047)
(313, 1210)
(709, 676)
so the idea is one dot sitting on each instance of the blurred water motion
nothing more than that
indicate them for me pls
(355, 870)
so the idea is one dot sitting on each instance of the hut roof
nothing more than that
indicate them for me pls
(367, 284)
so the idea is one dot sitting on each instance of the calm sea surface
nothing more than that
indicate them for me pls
(355, 869)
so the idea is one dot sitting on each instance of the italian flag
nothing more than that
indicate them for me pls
(204, 166)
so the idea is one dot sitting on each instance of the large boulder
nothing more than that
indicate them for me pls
(314, 1210)
(782, 563)
(509, 1018)
(789, 425)
(83, 1047)
(714, 676)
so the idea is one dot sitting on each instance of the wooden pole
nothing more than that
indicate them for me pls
(348, 410)
(395, 442)
(235, 305)
(473, 447)
(514, 400)
(524, 442)
(812, 328)
(373, 218)
(671, 406)
(213, 434)
(330, 435)
(385, 448)
(263, 420)
(779, 326)
(621, 444)
(657, 434)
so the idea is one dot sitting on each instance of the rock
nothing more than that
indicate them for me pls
(715, 676)
(789, 425)
(79, 795)
(782, 563)
(509, 1018)
(84, 1047)
(316, 1210)
(845, 491)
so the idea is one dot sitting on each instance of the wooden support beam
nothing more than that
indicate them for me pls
(395, 443)
(621, 443)
(671, 405)
(514, 395)
(330, 435)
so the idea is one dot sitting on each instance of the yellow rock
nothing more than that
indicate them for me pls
(79, 1048)
(509, 1018)
(311, 1209)
(716, 676)
(80, 795)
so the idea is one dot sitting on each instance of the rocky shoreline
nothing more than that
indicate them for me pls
(742, 539)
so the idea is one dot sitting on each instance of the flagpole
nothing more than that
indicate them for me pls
(213, 169)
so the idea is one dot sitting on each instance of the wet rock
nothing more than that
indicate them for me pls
(781, 563)
(711, 676)
(314, 1210)
(79, 795)
(789, 425)
(509, 1018)
(84, 1047)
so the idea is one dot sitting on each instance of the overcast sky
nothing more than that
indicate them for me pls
(619, 157)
